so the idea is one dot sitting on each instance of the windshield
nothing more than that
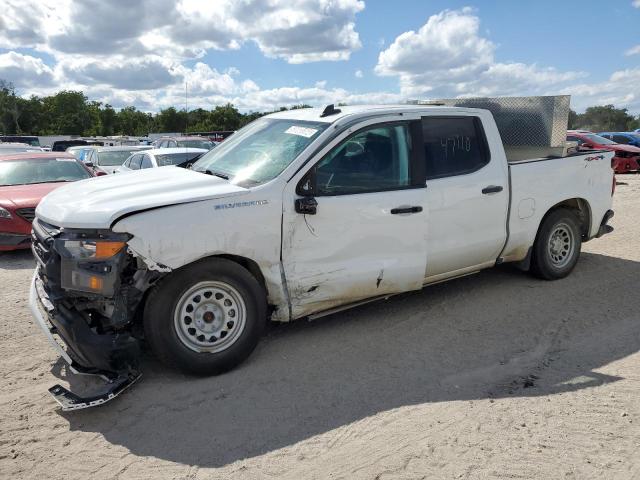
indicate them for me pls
(599, 140)
(113, 158)
(167, 159)
(40, 170)
(196, 144)
(260, 151)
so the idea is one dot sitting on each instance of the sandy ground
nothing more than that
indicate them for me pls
(496, 375)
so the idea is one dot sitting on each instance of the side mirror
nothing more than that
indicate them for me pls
(89, 164)
(306, 206)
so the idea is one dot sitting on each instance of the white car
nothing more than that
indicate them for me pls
(160, 157)
(299, 214)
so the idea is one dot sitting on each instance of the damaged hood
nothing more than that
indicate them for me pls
(99, 201)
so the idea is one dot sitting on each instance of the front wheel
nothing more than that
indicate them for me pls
(557, 246)
(205, 318)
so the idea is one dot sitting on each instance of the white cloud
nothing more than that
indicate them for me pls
(636, 3)
(621, 90)
(25, 70)
(633, 50)
(297, 31)
(136, 53)
(447, 56)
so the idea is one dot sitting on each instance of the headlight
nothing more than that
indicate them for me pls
(4, 213)
(91, 264)
(93, 249)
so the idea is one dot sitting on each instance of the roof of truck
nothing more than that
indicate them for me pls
(314, 114)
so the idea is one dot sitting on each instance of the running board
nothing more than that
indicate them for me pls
(70, 401)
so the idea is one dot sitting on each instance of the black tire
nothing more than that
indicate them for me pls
(544, 261)
(162, 334)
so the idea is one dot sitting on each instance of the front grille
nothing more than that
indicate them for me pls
(42, 242)
(27, 213)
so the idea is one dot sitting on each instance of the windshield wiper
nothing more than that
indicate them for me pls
(216, 174)
(49, 181)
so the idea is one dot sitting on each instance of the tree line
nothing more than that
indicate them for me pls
(72, 113)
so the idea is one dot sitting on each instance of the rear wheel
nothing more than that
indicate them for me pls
(205, 318)
(557, 246)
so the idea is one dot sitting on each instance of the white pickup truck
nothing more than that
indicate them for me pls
(299, 214)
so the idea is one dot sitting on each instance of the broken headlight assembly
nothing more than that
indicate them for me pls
(91, 261)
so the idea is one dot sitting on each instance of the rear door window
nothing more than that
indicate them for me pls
(453, 146)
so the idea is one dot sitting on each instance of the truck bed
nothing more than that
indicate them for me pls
(538, 184)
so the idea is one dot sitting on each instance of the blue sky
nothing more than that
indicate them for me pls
(260, 54)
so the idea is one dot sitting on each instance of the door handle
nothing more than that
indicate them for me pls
(492, 189)
(399, 210)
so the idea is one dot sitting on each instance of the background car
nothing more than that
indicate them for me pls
(28, 139)
(161, 157)
(62, 145)
(623, 138)
(24, 179)
(193, 141)
(9, 148)
(80, 151)
(108, 159)
(626, 157)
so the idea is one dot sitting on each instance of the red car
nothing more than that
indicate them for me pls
(24, 179)
(626, 157)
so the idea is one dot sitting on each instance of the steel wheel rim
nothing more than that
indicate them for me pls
(561, 245)
(210, 317)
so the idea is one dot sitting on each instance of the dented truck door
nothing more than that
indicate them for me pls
(355, 219)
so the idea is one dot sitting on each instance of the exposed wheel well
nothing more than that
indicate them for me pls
(250, 265)
(582, 209)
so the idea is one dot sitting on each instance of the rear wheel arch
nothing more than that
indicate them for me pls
(581, 208)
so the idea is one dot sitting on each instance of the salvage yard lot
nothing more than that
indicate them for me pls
(496, 375)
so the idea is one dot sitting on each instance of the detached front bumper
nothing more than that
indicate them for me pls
(113, 356)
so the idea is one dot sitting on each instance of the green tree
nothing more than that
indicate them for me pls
(8, 108)
(171, 120)
(68, 113)
(604, 118)
(108, 120)
(130, 121)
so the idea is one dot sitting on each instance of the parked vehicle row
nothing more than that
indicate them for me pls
(299, 214)
(626, 156)
(192, 141)
(160, 157)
